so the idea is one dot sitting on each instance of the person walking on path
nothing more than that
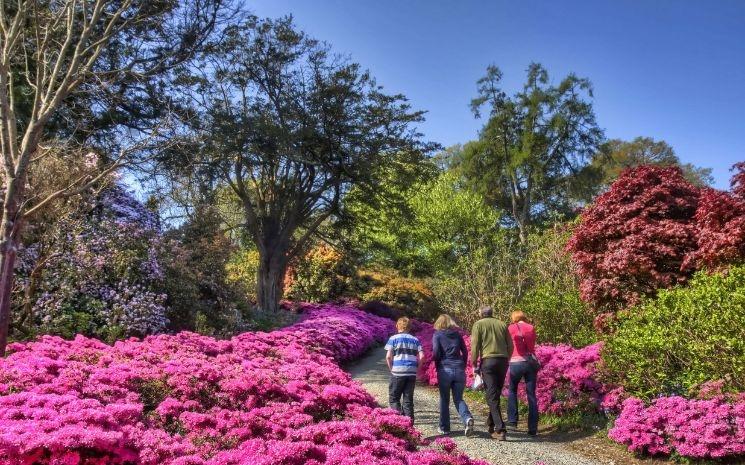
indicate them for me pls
(404, 352)
(492, 345)
(450, 355)
(522, 367)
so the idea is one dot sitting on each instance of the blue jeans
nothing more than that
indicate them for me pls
(518, 372)
(452, 379)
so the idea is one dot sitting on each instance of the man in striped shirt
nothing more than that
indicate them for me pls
(404, 352)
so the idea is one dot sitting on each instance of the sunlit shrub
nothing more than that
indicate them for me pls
(410, 296)
(682, 338)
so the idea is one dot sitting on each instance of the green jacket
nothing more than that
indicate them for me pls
(490, 339)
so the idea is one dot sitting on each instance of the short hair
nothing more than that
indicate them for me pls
(403, 324)
(444, 321)
(486, 311)
(518, 315)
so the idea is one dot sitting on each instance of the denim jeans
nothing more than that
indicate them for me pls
(452, 379)
(402, 387)
(494, 370)
(518, 372)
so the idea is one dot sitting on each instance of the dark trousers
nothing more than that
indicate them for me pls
(518, 372)
(452, 379)
(493, 371)
(401, 394)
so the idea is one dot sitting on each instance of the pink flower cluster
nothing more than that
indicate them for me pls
(186, 399)
(696, 428)
(566, 381)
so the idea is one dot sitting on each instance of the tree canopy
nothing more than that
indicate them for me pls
(530, 153)
(290, 127)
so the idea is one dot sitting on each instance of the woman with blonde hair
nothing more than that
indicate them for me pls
(523, 366)
(450, 354)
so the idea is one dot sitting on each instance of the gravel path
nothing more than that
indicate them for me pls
(520, 449)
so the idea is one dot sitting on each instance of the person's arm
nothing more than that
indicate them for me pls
(463, 350)
(389, 359)
(475, 346)
(436, 350)
(510, 345)
(421, 351)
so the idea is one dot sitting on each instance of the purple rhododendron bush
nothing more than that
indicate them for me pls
(711, 426)
(186, 399)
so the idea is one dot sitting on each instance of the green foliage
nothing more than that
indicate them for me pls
(435, 224)
(552, 300)
(201, 295)
(322, 274)
(616, 155)
(682, 338)
(410, 296)
(530, 153)
(492, 273)
(241, 270)
(559, 315)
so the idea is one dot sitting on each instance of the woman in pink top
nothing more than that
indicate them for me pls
(523, 341)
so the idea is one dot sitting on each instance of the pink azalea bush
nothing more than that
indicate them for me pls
(697, 428)
(186, 399)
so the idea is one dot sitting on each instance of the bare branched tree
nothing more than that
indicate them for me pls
(57, 56)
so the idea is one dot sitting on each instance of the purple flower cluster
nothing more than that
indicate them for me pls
(186, 399)
(101, 275)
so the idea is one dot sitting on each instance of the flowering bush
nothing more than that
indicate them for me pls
(186, 399)
(696, 428)
(410, 296)
(101, 274)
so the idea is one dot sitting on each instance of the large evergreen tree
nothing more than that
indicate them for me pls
(529, 157)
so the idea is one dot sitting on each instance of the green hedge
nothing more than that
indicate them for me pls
(682, 338)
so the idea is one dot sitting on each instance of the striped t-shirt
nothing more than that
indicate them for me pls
(405, 349)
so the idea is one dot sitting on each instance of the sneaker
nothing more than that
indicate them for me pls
(511, 426)
(533, 433)
(469, 427)
(442, 431)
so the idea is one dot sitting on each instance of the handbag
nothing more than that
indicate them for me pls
(532, 360)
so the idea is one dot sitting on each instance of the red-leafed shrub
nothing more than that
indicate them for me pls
(635, 238)
(720, 229)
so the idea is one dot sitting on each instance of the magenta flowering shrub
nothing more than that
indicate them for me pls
(696, 428)
(186, 399)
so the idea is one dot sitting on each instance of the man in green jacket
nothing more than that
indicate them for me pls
(491, 342)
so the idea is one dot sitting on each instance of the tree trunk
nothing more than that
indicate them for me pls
(8, 241)
(270, 283)
(7, 264)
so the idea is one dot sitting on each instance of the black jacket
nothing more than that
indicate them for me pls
(449, 349)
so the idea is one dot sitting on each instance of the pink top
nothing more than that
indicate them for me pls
(522, 345)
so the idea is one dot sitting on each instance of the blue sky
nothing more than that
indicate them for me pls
(668, 69)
